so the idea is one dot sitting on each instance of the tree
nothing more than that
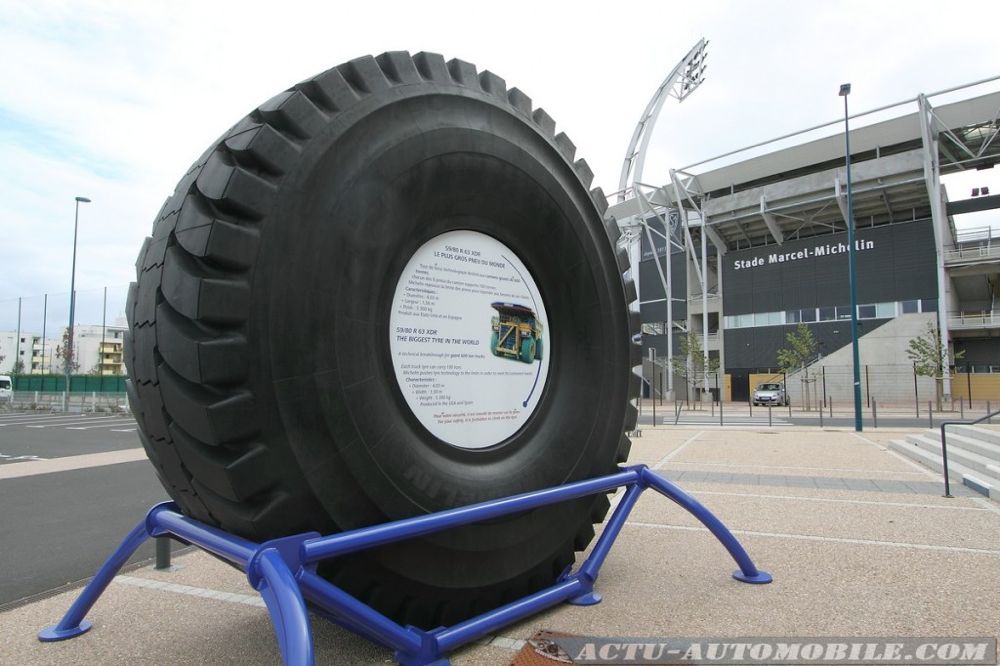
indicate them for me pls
(690, 362)
(801, 352)
(64, 352)
(18, 368)
(930, 358)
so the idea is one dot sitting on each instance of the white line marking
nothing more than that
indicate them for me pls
(663, 461)
(40, 419)
(125, 430)
(102, 425)
(71, 462)
(817, 469)
(843, 501)
(230, 597)
(812, 537)
(987, 504)
(84, 421)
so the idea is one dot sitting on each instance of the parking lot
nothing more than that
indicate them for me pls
(859, 540)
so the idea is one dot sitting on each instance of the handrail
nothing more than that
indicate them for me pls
(944, 446)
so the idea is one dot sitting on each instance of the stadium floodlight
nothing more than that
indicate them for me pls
(845, 90)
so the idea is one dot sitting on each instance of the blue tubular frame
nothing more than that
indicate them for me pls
(284, 570)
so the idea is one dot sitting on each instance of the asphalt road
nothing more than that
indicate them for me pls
(58, 528)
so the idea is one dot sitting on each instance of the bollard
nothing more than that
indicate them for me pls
(820, 417)
(750, 403)
(713, 408)
(769, 416)
(789, 410)
(989, 410)
(162, 553)
(874, 413)
(831, 407)
(930, 413)
(654, 411)
(961, 408)
(720, 411)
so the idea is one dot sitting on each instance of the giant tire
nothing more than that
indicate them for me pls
(258, 353)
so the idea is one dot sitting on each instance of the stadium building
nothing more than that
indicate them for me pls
(759, 245)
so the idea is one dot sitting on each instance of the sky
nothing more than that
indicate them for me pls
(114, 100)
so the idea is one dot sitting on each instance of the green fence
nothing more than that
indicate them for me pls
(77, 383)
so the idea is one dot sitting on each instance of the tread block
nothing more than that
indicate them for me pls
(600, 200)
(276, 513)
(234, 475)
(634, 354)
(143, 343)
(463, 73)
(624, 447)
(493, 84)
(151, 408)
(234, 187)
(621, 257)
(364, 75)
(398, 66)
(130, 304)
(293, 112)
(631, 417)
(612, 230)
(213, 300)
(633, 322)
(205, 236)
(584, 171)
(566, 147)
(145, 297)
(209, 416)
(154, 253)
(544, 122)
(519, 101)
(264, 147)
(432, 67)
(140, 261)
(330, 90)
(631, 295)
(198, 356)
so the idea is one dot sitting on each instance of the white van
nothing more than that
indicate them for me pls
(6, 389)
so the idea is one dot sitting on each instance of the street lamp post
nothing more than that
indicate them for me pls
(68, 351)
(845, 90)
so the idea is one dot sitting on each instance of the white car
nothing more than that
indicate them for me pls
(771, 393)
(6, 389)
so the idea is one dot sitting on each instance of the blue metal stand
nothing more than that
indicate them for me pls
(284, 570)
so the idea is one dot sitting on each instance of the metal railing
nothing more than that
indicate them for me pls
(971, 253)
(944, 446)
(964, 320)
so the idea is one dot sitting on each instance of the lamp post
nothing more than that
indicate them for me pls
(68, 352)
(845, 90)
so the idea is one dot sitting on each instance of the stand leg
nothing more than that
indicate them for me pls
(73, 624)
(287, 609)
(747, 573)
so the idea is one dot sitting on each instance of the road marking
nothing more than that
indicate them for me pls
(816, 469)
(230, 597)
(4, 456)
(813, 537)
(41, 419)
(797, 498)
(107, 420)
(125, 430)
(663, 461)
(102, 425)
(32, 468)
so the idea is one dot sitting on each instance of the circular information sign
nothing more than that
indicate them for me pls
(468, 339)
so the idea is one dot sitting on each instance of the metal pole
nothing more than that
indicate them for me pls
(68, 352)
(162, 553)
(45, 318)
(769, 416)
(831, 407)
(17, 340)
(916, 395)
(104, 326)
(824, 386)
(845, 90)
(961, 409)
(930, 413)
(874, 413)
(868, 387)
(968, 383)
(820, 417)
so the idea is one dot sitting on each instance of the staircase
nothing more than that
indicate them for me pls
(973, 455)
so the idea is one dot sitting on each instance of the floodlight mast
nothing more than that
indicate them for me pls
(683, 80)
